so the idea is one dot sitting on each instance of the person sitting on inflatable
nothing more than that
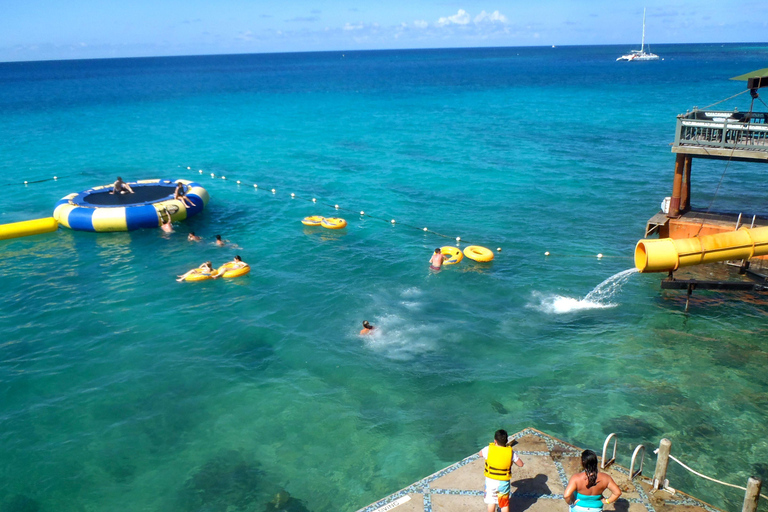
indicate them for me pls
(120, 187)
(180, 195)
(206, 269)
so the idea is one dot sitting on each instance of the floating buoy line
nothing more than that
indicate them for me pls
(316, 220)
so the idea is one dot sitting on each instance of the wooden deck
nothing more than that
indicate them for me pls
(536, 487)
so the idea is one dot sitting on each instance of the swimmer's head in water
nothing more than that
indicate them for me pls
(437, 251)
(367, 325)
(218, 238)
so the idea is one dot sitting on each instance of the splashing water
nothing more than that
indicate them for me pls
(599, 298)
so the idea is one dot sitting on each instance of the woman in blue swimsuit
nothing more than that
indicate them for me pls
(589, 485)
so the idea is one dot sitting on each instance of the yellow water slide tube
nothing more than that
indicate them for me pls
(28, 227)
(667, 254)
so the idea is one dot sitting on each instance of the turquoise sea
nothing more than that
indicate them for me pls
(121, 389)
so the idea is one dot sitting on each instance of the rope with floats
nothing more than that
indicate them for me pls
(388, 220)
(362, 213)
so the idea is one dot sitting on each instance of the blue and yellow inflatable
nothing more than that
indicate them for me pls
(96, 209)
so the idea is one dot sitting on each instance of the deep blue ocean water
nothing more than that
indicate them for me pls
(121, 389)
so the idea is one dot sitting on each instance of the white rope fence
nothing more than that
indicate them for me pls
(710, 478)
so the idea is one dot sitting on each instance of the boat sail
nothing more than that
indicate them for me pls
(640, 54)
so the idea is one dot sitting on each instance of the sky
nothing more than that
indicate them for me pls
(82, 29)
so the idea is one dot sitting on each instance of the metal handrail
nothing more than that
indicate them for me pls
(632, 473)
(605, 463)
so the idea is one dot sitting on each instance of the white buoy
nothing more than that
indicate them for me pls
(189, 168)
(200, 171)
(314, 200)
(599, 255)
(546, 253)
(362, 212)
(293, 195)
(425, 229)
(25, 182)
(336, 206)
(55, 177)
(498, 249)
(392, 221)
(223, 177)
(273, 191)
(238, 182)
(255, 186)
(213, 175)
(458, 239)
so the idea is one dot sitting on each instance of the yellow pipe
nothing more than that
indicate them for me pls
(28, 227)
(667, 254)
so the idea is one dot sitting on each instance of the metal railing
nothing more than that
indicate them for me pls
(723, 130)
(660, 482)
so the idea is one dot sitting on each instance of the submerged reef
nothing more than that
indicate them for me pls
(232, 482)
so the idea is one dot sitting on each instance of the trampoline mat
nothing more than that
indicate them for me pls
(142, 194)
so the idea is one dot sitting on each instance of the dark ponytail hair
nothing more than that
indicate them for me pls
(589, 463)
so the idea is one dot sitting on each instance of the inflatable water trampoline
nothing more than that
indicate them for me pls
(98, 209)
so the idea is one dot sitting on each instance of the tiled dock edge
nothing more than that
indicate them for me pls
(537, 487)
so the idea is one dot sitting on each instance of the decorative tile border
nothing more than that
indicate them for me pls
(563, 450)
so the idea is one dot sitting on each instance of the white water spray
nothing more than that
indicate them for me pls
(599, 298)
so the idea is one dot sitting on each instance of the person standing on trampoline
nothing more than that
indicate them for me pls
(121, 187)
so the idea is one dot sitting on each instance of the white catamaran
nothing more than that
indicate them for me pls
(640, 54)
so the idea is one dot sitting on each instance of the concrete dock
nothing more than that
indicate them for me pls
(536, 487)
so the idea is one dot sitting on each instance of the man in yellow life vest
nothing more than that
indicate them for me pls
(498, 471)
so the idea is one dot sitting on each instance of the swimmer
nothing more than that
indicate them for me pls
(120, 187)
(437, 259)
(205, 269)
(180, 195)
(192, 237)
(367, 328)
(220, 242)
(166, 226)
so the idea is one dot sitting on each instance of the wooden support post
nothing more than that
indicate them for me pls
(752, 495)
(677, 186)
(662, 461)
(685, 192)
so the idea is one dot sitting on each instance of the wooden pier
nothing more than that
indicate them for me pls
(536, 487)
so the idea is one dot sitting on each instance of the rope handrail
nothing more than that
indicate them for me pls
(710, 478)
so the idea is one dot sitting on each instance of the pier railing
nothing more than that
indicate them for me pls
(723, 130)
(660, 482)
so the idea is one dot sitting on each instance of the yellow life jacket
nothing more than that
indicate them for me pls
(498, 465)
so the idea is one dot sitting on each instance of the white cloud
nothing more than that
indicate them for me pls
(460, 18)
(349, 26)
(494, 17)
(420, 24)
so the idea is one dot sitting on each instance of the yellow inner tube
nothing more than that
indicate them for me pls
(201, 275)
(453, 255)
(229, 270)
(478, 253)
(334, 223)
(313, 220)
